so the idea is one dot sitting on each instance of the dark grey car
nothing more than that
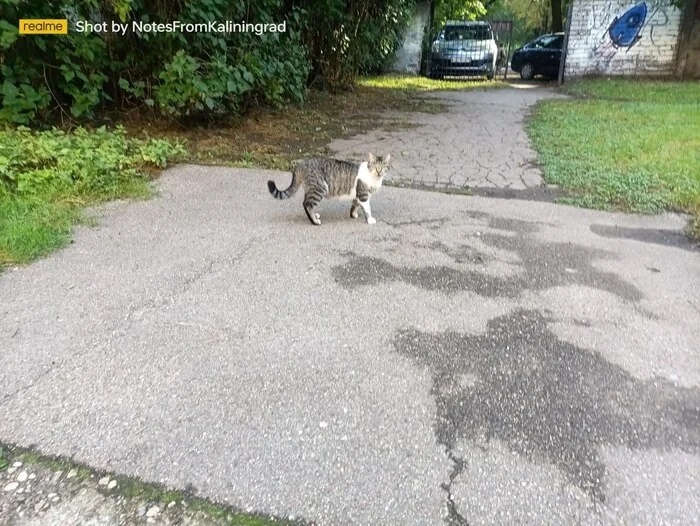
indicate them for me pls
(542, 56)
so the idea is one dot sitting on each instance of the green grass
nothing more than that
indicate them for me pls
(417, 83)
(47, 178)
(4, 459)
(136, 491)
(652, 91)
(30, 228)
(624, 144)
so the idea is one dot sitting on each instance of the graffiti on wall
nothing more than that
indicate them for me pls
(626, 29)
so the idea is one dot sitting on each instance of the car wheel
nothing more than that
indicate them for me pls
(527, 72)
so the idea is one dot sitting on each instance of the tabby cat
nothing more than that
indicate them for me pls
(326, 177)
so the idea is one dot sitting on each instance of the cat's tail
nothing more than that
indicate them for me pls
(289, 192)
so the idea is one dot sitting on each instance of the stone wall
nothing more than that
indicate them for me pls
(623, 37)
(408, 57)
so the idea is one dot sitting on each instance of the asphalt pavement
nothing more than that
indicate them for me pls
(466, 360)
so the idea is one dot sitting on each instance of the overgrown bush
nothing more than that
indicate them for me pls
(82, 162)
(349, 37)
(191, 75)
(178, 74)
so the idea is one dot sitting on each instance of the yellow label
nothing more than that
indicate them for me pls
(43, 26)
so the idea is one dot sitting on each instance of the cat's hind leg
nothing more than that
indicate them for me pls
(312, 199)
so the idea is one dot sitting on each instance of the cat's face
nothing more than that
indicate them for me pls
(378, 165)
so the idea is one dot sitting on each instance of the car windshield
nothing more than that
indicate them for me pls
(545, 41)
(468, 33)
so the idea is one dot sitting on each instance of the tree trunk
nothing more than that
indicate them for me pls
(557, 25)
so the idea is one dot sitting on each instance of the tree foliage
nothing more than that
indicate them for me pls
(349, 37)
(532, 17)
(188, 75)
(457, 10)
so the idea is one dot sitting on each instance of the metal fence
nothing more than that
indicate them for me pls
(471, 49)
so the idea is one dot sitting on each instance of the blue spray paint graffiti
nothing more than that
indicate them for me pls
(625, 30)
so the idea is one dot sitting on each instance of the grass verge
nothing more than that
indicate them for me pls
(418, 83)
(47, 177)
(630, 145)
(131, 493)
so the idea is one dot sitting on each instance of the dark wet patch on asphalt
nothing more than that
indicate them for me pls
(549, 400)
(461, 254)
(545, 265)
(516, 226)
(544, 193)
(669, 238)
(430, 224)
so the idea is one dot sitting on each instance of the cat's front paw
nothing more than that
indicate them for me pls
(371, 220)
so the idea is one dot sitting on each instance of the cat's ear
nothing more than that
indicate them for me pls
(387, 159)
(372, 158)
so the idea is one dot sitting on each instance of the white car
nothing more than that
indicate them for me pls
(464, 48)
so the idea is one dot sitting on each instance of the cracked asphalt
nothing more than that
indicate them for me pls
(466, 360)
(479, 144)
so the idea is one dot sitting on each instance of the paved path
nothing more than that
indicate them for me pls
(464, 359)
(480, 143)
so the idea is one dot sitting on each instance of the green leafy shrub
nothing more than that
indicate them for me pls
(179, 74)
(349, 38)
(83, 162)
(197, 74)
(46, 177)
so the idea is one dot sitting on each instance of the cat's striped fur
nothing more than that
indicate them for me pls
(325, 177)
